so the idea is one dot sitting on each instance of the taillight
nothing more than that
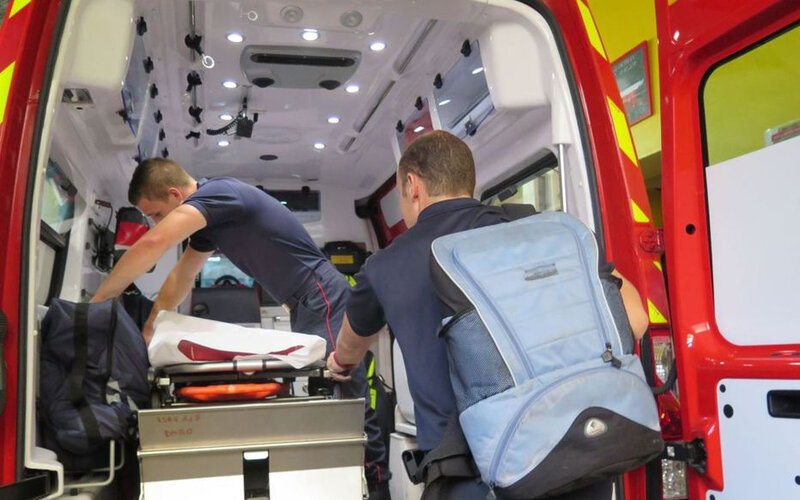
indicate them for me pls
(673, 472)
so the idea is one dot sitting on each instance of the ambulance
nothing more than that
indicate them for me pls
(314, 101)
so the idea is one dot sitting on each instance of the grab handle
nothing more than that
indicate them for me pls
(784, 404)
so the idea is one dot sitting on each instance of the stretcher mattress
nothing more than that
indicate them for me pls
(180, 339)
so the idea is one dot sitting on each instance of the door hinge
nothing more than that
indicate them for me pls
(691, 452)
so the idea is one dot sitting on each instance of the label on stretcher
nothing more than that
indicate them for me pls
(182, 339)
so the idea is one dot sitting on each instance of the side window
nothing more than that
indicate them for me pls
(538, 185)
(750, 108)
(59, 197)
(752, 101)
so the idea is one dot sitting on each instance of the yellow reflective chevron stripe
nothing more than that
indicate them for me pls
(591, 29)
(5, 88)
(654, 313)
(373, 393)
(638, 213)
(622, 131)
(658, 265)
(17, 6)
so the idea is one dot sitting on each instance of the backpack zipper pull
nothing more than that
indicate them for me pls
(491, 495)
(608, 357)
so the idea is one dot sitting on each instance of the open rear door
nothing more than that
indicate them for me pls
(730, 75)
(25, 36)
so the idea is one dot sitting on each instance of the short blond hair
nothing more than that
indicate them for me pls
(153, 178)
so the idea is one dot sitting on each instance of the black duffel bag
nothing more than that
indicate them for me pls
(93, 378)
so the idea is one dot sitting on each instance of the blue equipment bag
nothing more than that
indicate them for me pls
(549, 399)
(93, 378)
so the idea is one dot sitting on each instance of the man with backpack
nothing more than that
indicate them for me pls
(436, 180)
(261, 237)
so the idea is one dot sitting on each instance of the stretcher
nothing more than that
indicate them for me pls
(281, 443)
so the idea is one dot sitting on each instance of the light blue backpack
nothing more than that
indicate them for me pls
(549, 399)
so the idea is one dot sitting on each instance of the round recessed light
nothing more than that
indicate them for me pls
(310, 35)
(230, 84)
(377, 46)
(333, 120)
(227, 117)
(351, 89)
(268, 157)
(477, 70)
(292, 14)
(224, 143)
(319, 145)
(351, 18)
(235, 37)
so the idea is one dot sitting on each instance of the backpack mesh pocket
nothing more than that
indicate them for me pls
(477, 371)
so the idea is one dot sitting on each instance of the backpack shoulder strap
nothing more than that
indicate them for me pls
(514, 211)
(78, 372)
(452, 458)
(507, 212)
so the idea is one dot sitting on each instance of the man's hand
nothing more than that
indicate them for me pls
(339, 373)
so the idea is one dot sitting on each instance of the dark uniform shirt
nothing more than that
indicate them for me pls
(257, 233)
(395, 287)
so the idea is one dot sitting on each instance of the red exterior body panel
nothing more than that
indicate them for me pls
(693, 36)
(619, 179)
(25, 41)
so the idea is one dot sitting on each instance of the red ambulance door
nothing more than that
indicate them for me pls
(25, 40)
(730, 76)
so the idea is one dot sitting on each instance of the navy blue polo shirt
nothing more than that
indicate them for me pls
(257, 233)
(394, 287)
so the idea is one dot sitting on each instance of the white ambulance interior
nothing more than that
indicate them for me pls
(291, 95)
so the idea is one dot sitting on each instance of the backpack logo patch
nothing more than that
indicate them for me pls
(540, 272)
(594, 427)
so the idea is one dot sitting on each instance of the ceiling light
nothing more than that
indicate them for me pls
(351, 18)
(224, 143)
(419, 129)
(443, 102)
(226, 117)
(292, 14)
(477, 70)
(310, 35)
(284, 202)
(351, 89)
(319, 145)
(230, 84)
(235, 37)
(377, 46)
(333, 120)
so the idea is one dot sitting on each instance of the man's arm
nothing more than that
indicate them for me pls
(177, 285)
(632, 301)
(350, 349)
(174, 228)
